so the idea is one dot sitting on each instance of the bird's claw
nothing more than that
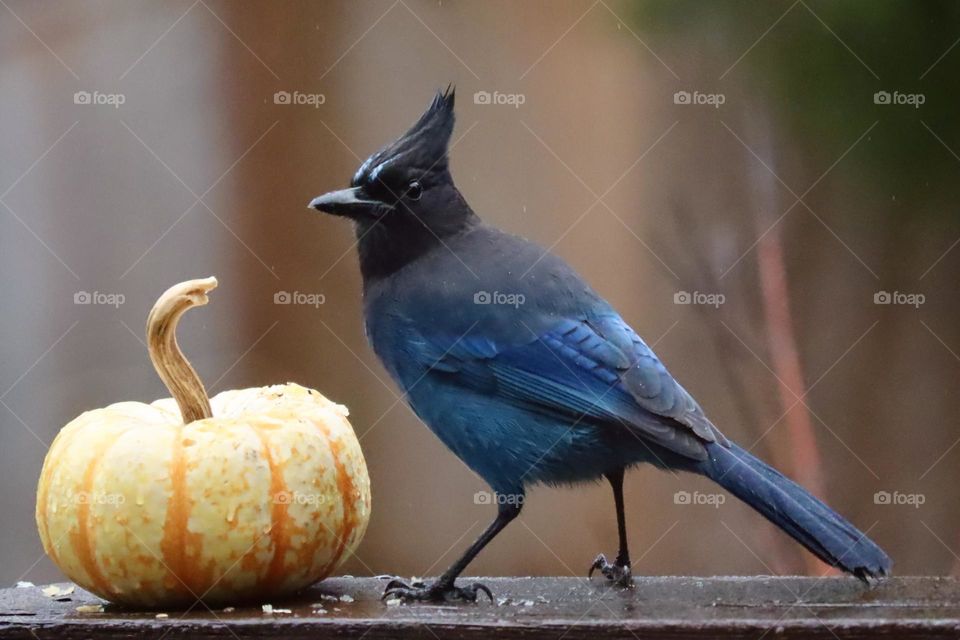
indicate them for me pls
(396, 583)
(617, 573)
(436, 592)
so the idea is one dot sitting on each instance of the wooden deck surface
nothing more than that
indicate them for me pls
(571, 608)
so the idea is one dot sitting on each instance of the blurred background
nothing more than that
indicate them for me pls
(767, 191)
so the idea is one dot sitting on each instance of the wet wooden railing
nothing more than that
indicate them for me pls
(569, 608)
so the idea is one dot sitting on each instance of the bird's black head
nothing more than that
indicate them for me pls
(402, 198)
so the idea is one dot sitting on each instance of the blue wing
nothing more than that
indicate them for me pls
(587, 368)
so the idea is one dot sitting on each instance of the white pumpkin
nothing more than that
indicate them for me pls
(253, 495)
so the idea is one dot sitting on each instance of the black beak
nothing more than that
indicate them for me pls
(350, 203)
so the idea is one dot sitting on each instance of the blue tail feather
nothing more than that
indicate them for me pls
(786, 504)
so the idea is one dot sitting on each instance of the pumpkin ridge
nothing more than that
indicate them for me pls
(346, 487)
(173, 545)
(43, 493)
(80, 540)
(279, 518)
(306, 554)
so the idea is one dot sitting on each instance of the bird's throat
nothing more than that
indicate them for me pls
(386, 246)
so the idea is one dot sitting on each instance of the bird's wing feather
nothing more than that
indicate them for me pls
(594, 368)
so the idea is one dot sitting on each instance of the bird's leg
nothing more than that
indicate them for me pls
(619, 571)
(444, 589)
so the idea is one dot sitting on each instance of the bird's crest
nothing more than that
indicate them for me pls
(423, 146)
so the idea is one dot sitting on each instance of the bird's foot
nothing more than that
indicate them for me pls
(618, 573)
(435, 592)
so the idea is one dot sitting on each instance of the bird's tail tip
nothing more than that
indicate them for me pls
(820, 529)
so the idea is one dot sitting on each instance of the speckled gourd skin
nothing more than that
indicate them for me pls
(264, 498)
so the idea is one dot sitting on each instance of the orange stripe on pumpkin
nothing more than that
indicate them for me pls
(347, 499)
(81, 538)
(306, 554)
(173, 545)
(279, 519)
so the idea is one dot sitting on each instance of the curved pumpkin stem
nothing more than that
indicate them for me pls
(182, 381)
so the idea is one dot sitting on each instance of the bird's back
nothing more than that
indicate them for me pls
(480, 282)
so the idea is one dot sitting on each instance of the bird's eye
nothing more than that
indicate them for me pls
(414, 190)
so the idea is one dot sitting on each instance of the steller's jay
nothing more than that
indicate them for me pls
(525, 372)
